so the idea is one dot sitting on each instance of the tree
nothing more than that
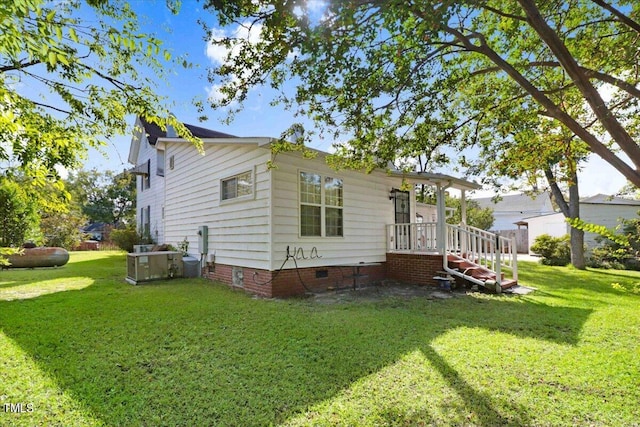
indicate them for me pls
(103, 196)
(476, 216)
(18, 215)
(70, 74)
(62, 228)
(552, 166)
(392, 73)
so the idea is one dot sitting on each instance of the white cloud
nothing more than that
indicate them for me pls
(220, 54)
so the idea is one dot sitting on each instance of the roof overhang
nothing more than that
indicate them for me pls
(142, 169)
(436, 179)
(252, 140)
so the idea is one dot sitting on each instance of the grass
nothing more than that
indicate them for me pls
(82, 347)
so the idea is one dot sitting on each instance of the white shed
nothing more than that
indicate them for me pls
(599, 209)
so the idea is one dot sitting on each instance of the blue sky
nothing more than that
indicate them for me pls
(182, 34)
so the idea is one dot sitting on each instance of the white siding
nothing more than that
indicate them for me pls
(238, 229)
(608, 215)
(367, 210)
(553, 225)
(152, 196)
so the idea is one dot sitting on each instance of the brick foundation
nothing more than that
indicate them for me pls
(286, 283)
(407, 268)
(418, 269)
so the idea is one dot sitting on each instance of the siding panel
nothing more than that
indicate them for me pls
(238, 229)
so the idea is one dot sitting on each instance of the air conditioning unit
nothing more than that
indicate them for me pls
(146, 266)
(142, 248)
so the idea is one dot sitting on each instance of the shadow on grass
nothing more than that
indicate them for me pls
(192, 353)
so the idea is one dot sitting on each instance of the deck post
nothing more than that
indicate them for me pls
(441, 234)
(463, 207)
(463, 223)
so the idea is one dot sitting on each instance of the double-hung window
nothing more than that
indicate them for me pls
(321, 205)
(237, 186)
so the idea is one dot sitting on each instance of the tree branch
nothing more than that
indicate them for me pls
(621, 16)
(504, 14)
(19, 66)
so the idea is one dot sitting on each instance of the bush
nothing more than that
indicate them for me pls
(553, 250)
(125, 238)
(615, 254)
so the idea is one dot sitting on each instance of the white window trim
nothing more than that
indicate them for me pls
(237, 199)
(323, 206)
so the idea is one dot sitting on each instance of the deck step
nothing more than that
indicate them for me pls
(478, 272)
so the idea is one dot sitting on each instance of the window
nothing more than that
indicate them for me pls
(146, 179)
(172, 162)
(237, 186)
(160, 163)
(145, 221)
(321, 205)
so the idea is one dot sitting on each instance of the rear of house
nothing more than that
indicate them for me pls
(300, 226)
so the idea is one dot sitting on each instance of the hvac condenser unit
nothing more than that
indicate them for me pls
(146, 266)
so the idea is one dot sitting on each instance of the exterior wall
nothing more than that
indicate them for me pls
(366, 212)
(608, 215)
(514, 208)
(238, 230)
(429, 213)
(413, 268)
(152, 196)
(553, 225)
(592, 213)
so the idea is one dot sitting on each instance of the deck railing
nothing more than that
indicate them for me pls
(414, 237)
(483, 248)
(476, 245)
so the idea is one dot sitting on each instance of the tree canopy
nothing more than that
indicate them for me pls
(103, 196)
(71, 73)
(404, 78)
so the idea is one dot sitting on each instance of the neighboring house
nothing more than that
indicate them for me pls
(599, 209)
(96, 230)
(511, 210)
(296, 227)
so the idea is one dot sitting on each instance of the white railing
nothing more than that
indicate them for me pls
(473, 244)
(483, 248)
(414, 237)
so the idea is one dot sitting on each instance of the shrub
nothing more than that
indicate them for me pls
(125, 238)
(553, 250)
(615, 253)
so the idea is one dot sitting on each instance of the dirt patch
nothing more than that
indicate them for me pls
(400, 291)
(378, 292)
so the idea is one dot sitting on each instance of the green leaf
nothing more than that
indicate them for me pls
(73, 35)
(52, 58)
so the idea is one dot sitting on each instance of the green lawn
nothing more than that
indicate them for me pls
(82, 347)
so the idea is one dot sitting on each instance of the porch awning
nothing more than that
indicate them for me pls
(142, 169)
(435, 179)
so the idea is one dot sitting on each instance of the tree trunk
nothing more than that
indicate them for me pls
(576, 240)
(570, 210)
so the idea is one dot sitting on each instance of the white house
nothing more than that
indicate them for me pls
(599, 209)
(299, 226)
(514, 208)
